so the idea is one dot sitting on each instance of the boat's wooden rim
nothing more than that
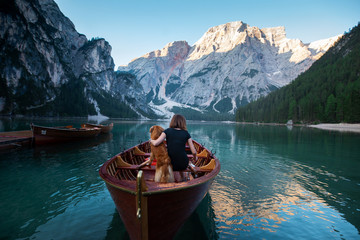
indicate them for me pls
(67, 129)
(99, 125)
(173, 188)
(153, 187)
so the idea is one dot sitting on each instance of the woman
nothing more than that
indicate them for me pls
(176, 137)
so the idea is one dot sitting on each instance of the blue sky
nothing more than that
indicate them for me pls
(136, 27)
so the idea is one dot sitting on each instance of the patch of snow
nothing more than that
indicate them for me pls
(40, 105)
(99, 117)
(165, 109)
(233, 102)
(276, 73)
(324, 44)
(215, 105)
(208, 102)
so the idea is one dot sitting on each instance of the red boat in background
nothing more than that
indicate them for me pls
(152, 210)
(47, 135)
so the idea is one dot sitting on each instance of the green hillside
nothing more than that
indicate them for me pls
(328, 92)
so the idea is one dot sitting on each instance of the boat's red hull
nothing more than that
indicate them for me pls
(48, 135)
(167, 211)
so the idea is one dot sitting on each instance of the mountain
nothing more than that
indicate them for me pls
(48, 69)
(329, 91)
(229, 66)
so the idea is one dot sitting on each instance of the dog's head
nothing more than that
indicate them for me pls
(155, 132)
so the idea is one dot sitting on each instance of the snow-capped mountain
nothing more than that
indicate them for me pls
(230, 65)
(47, 68)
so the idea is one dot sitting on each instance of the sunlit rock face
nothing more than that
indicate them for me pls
(230, 65)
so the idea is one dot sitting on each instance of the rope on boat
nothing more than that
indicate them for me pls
(138, 194)
(141, 205)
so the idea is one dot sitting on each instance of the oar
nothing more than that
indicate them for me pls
(192, 168)
(146, 163)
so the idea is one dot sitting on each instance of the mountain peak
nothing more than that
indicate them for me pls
(226, 37)
(177, 49)
(229, 27)
(274, 34)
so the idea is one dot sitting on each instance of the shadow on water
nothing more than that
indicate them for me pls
(70, 146)
(200, 225)
(117, 229)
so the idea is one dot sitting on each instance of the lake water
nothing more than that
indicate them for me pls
(274, 183)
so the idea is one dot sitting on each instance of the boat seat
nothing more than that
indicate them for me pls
(153, 168)
(188, 155)
(138, 152)
(136, 167)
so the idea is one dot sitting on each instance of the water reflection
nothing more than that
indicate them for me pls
(270, 183)
(275, 183)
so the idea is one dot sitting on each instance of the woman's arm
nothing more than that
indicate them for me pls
(159, 140)
(192, 148)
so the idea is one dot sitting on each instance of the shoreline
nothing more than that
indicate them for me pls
(341, 127)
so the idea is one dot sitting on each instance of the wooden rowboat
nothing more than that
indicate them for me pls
(104, 128)
(46, 135)
(153, 210)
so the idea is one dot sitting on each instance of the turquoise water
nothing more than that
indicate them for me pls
(275, 183)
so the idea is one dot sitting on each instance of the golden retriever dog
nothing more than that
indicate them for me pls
(164, 172)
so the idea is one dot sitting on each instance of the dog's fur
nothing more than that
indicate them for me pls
(164, 172)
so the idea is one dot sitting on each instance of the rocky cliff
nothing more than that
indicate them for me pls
(229, 66)
(48, 68)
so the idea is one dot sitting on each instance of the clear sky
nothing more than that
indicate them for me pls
(136, 27)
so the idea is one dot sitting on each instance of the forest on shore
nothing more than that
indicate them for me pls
(329, 91)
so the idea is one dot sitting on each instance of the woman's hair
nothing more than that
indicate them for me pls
(178, 121)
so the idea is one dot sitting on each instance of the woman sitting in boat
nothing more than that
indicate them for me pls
(176, 137)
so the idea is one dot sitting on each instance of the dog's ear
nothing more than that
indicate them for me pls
(151, 129)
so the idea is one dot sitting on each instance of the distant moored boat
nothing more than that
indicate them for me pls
(46, 135)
